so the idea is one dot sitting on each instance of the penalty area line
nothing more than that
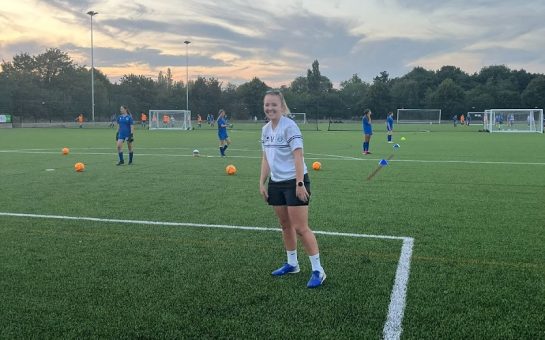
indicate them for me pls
(396, 309)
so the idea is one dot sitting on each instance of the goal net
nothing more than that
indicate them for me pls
(170, 120)
(475, 117)
(298, 117)
(515, 120)
(418, 116)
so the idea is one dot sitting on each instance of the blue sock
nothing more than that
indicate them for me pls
(130, 156)
(367, 146)
(363, 146)
(389, 138)
(222, 151)
(121, 157)
(225, 147)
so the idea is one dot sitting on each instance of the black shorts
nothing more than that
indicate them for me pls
(283, 193)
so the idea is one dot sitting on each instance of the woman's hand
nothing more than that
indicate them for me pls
(302, 193)
(263, 192)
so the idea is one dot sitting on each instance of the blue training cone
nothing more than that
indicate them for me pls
(383, 162)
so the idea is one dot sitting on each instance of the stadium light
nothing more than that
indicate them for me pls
(91, 14)
(187, 42)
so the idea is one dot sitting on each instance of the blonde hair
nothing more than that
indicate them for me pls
(282, 100)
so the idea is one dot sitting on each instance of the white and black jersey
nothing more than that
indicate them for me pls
(278, 145)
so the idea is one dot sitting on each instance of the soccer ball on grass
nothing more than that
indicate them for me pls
(231, 170)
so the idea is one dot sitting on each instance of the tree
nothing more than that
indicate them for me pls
(139, 92)
(534, 94)
(449, 97)
(405, 94)
(378, 97)
(51, 64)
(352, 93)
(251, 96)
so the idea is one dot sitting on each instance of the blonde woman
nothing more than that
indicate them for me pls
(288, 189)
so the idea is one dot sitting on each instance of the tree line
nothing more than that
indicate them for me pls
(50, 86)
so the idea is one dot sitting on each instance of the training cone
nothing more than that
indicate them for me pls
(396, 146)
(403, 138)
(383, 162)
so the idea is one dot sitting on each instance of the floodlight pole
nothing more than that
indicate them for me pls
(91, 14)
(187, 42)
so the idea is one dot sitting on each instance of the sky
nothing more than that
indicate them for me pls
(277, 40)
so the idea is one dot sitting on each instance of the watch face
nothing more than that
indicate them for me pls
(300, 184)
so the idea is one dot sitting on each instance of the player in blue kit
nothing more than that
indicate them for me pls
(222, 132)
(390, 125)
(367, 130)
(125, 132)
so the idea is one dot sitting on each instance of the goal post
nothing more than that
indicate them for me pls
(170, 120)
(515, 120)
(298, 117)
(418, 116)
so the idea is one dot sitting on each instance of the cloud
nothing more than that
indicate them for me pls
(277, 41)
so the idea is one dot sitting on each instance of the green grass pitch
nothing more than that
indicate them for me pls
(472, 202)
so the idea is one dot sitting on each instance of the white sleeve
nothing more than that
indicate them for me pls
(294, 137)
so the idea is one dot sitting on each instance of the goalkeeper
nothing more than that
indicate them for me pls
(125, 131)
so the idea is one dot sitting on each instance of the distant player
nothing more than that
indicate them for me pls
(468, 119)
(462, 119)
(166, 121)
(154, 120)
(454, 120)
(390, 125)
(125, 132)
(143, 119)
(199, 120)
(222, 132)
(113, 120)
(367, 130)
(511, 120)
(499, 121)
(79, 120)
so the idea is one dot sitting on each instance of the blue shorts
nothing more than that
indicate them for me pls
(123, 136)
(222, 136)
(368, 132)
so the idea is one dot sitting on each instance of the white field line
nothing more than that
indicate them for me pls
(334, 157)
(393, 326)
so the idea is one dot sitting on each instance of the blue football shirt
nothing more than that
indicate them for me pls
(125, 122)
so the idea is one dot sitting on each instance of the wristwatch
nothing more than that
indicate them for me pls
(300, 183)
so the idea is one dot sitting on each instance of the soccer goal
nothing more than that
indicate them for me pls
(170, 120)
(418, 116)
(475, 117)
(515, 120)
(298, 117)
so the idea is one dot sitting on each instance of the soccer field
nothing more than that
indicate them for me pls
(172, 247)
